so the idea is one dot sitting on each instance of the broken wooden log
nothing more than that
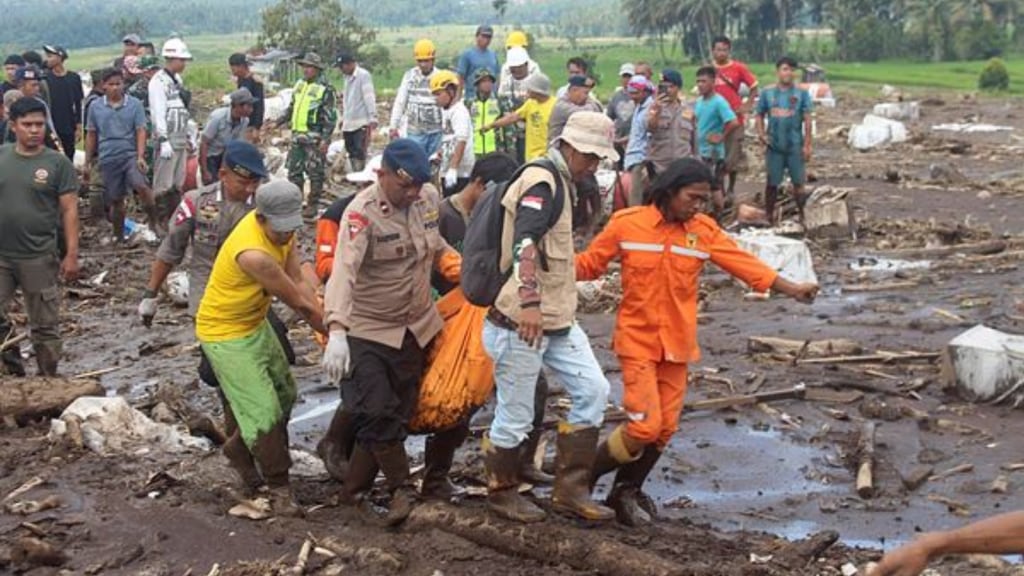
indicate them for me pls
(883, 357)
(961, 469)
(363, 556)
(866, 466)
(880, 286)
(983, 248)
(27, 399)
(584, 550)
(795, 393)
(815, 348)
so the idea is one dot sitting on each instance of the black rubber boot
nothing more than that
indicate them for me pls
(438, 456)
(337, 444)
(503, 495)
(632, 507)
(573, 468)
(10, 356)
(394, 462)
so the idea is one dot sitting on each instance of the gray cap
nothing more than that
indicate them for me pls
(241, 96)
(280, 202)
(132, 39)
(539, 83)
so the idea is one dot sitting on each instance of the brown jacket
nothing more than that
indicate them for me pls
(558, 282)
(380, 283)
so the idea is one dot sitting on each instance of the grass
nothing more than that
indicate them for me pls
(209, 70)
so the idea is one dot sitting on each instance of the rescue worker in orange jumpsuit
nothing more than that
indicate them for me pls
(663, 246)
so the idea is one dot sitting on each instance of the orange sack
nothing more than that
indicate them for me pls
(460, 375)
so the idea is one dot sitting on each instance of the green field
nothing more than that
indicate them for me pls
(209, 70)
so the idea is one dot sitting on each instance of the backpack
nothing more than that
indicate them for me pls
(482, 276)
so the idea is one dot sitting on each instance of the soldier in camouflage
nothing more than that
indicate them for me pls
(313, 116)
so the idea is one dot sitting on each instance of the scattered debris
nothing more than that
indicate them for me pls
(916, 477)
(27, 507)
(110, 425)
(971, 128)
(257, 509)
(898, 110)
(955, 507)
(827, 214)
(795, 393)
(34, 552)
(960, 469)
(1001, 484)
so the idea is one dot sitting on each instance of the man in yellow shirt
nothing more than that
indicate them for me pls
(258, 262)
(536, 112)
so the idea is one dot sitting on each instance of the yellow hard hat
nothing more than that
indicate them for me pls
(516, 39)
(442, 79)
(423, 50)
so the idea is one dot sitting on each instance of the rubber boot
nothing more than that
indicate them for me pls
(394, 463)
(617, 450)
(528, 470)
(238, 454)
(503, 497)
(438, 456)
(358, 165)
(316, 190)
(46, 360)
(577, 447)
(271, 452)
(632, 507)
(362, 470)
(117, 216)
(336, 446)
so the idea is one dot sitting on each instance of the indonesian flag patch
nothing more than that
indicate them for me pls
(534, 202)
(356, 223)
(184, 211)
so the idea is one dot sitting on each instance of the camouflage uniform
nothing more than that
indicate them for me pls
(140, 90)
(313, 115)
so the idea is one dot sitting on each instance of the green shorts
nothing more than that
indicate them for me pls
(254, 376)
(781, 162)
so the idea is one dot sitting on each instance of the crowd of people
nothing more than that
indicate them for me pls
(487, 187)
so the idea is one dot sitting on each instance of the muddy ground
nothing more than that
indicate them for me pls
(755, 490)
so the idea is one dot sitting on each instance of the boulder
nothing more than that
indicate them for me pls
(875, 131)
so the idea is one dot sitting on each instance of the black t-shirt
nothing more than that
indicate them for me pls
(255, 88)
(65, 101)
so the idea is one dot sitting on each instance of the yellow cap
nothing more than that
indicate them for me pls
(423, 50)
(516, 39)
(442, 79)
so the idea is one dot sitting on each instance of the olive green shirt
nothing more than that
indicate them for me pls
(30, 191)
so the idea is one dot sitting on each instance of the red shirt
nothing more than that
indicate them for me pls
(730, 78)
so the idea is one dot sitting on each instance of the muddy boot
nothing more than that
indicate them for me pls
(633, 507)
(271, 452)
(438, 456)
(316, 190)
(358, 165)
(576, 451)
(237, 452)
(616, 451)
(503, 495)
(336, 446)
(362, 470)
(528, 471)
(46, 360)
(394, 463)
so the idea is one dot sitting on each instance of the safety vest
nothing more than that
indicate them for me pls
(307, 100)
(485, 112)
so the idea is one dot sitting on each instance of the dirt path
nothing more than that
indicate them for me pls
(732, 482)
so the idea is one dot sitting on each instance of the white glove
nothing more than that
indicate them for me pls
(451, 177)
(147, 310)
(336, 356)
(166, 151)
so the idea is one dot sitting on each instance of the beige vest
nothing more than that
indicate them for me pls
(558, 282)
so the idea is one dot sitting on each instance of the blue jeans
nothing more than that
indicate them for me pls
(431, 142)
(516, 367)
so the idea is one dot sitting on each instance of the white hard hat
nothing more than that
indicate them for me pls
(517, 56)
(176, 48)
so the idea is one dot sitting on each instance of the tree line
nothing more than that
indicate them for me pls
(858, 30)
